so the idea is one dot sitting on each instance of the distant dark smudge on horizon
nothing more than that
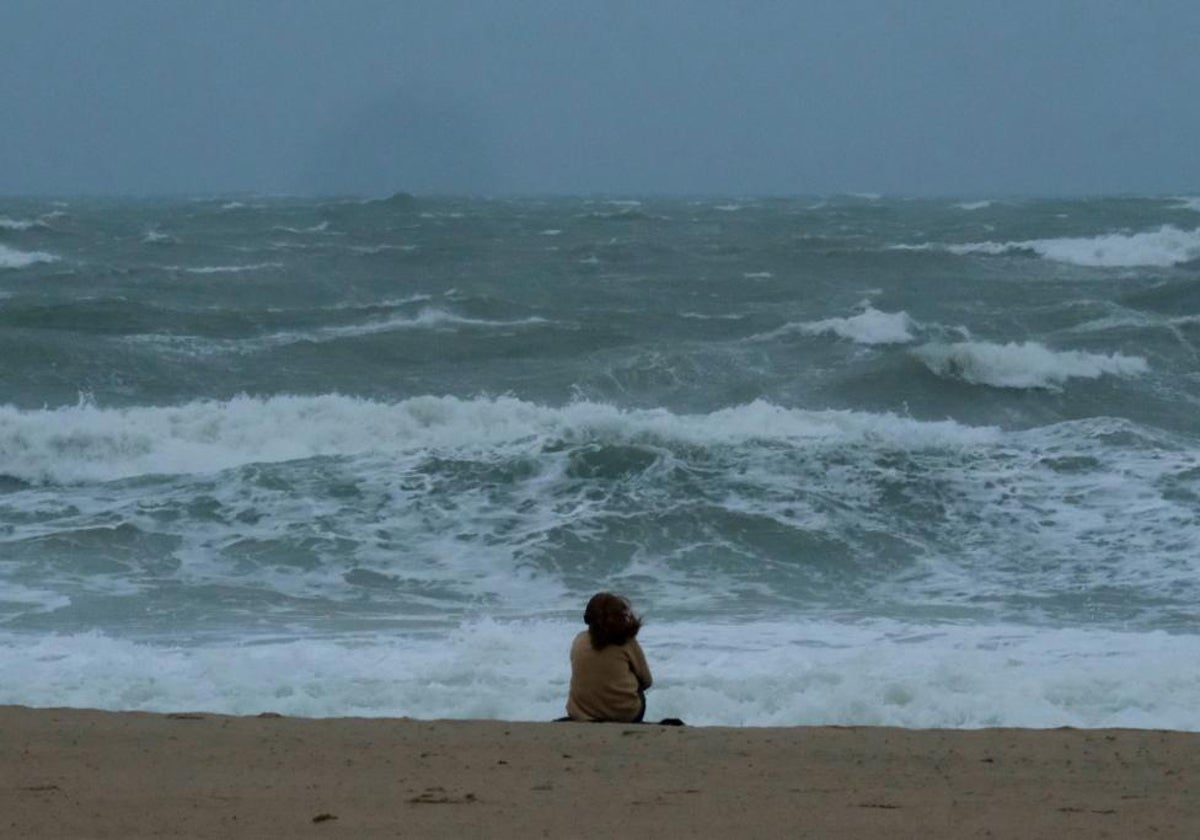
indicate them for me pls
(416, 140)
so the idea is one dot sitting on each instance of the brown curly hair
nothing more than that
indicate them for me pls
(610, 620)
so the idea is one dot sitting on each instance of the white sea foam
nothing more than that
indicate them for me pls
(429, 318)
(386, 303)
(42, 600)
(379, 249)
(760, 673)
(974, 205)
(222, 269)
(323, 227)
(17, 224)
(1076, 511)
(157, 237)
(1164, 247)
(86, 443)
(870, 326)
(757, 275)
(12, 258)
(1022, 365)
(1188, 202)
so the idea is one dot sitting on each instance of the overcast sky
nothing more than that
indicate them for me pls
(917, 97)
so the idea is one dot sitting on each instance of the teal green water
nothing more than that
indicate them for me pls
(321, 420)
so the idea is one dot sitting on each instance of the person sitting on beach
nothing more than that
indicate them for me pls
(609, 674)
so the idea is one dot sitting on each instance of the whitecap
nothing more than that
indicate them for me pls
(323, 227)
(1022, 365)
(157, 237)
(386, 303)
(223, 269)
(430, 318)
(871, 326)
(379, 249)
(12, 258)
(1164, 247)
(40, 600)
(85, 442)
(17, 224)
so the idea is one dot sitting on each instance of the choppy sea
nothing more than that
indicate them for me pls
(856, 459)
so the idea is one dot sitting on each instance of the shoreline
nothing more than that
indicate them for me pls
(88, 773)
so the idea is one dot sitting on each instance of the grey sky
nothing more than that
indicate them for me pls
(950, 97)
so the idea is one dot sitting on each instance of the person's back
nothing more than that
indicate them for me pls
(609, 674)
(607, 684)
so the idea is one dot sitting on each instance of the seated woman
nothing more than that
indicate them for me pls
(609, 674)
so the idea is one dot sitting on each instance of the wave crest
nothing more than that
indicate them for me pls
(223, 269)
(1022, 365)
(12, 258)
(85, 443)
(7, 223)
(870, 326)
(1160, 248)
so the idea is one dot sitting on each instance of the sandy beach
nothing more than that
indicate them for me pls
(68, 773)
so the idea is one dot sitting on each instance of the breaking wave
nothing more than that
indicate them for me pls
(18, 224)
(1161, 248)
(772, 673)
(12, 258)
(89, 443)
(1022, 365)
(871, 326)
(223, 269)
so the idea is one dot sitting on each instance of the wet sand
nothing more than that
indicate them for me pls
(67, 773)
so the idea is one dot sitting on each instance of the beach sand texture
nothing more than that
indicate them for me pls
(68, 773)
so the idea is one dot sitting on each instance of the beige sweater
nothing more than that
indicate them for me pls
(605, 683)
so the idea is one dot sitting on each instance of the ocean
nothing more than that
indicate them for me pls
(855, 459)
